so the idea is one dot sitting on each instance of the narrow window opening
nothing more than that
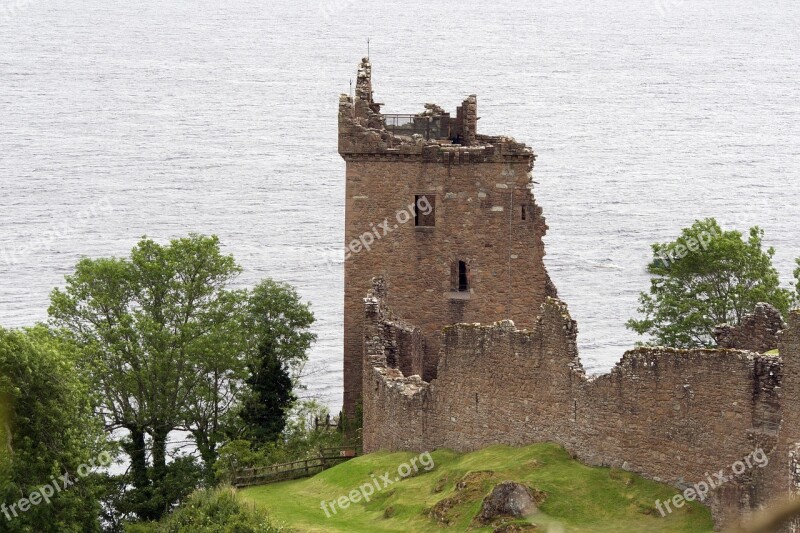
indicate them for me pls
(524, 211)
(424, 210)
(463, 281)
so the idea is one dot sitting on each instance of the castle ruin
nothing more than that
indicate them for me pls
(446, 216)
(455, 338)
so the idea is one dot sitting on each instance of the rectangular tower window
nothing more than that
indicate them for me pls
(463, 279)
(425, 210)
(524, 211)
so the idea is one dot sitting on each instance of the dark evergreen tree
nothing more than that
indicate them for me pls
(265, 410)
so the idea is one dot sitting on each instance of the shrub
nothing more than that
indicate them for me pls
(211, 511)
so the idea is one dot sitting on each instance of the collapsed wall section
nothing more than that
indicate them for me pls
(394, 405)
(757, 331)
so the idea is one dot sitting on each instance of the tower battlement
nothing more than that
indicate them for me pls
(433, 134)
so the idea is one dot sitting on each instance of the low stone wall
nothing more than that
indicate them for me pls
(671, 415)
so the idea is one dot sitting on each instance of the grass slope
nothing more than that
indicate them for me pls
(578, 498)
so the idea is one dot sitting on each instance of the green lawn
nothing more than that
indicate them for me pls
(578, 498)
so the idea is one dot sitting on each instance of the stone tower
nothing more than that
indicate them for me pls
(444, 215)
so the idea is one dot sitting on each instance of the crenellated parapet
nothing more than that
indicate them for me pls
(431, 135)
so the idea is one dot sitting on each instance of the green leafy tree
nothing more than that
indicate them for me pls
(50, 436)
(281, 345)
(706, 277)
(170, 346)
(280, 321)
(152, 328)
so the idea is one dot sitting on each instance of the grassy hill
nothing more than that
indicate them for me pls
(576, 498)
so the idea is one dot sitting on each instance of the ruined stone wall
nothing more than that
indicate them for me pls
(757, 331)
(395, 404)
(497, 384)
(679, 416)
(783, 472)
(467, 117)
(671, 415)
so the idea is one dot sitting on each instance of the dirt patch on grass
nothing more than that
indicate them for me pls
(441, 484)
(470, 488)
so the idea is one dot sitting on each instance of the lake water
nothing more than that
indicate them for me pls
(123, 119)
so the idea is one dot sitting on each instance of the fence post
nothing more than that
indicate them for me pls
(234, 476)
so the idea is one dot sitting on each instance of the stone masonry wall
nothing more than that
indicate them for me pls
(497, 384)
(757, 332)
(678, 416)
(783, 473)
(670, 415)
(395, 404)
(447, 381)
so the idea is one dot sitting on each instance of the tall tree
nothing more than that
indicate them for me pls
(706, 277)
(49, 432)
(170, 346)
(151, 328)
(211, 410)
(282, 323)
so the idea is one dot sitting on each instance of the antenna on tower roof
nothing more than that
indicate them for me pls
(367, 48)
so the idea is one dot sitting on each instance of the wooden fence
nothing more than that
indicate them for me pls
(262, 475)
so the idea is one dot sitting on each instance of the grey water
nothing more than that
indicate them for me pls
(159, 118)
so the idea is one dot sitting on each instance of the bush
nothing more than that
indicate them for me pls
(49, 430)
(123, 502)
(211, 511)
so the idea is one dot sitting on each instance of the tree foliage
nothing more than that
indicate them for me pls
(152, 327)
(704, 278)
(301, 439)
(211, 511)
(171, 346)
(283, 339)
(49, 431)
(264, 410)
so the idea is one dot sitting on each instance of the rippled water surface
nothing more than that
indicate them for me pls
(123, 119)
